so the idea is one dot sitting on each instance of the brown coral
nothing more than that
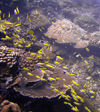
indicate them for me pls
(38, 78)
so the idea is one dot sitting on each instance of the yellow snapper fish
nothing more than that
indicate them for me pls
(16, 11)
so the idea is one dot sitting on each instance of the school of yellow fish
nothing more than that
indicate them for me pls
(19, 42)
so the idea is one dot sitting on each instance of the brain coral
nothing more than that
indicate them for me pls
(64, 31)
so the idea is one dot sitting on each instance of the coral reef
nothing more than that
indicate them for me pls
(7, 106)
(37, 75)
(49, 86)
(87, 22)
(64, 31)
(8, 56)
(36, 19)
(8, 62)
(88, 78)
(5, 25)
(95, 38)
(37, 70)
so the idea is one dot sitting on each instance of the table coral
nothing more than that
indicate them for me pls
(49, 86)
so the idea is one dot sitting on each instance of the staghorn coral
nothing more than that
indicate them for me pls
(64, 31)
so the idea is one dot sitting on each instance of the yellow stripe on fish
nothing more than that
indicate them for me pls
(51, 79)
(41, 78)
(16, 11)
(75, 109)
(75, 83)
(87, 109)
(30, 74)
(48, 65)
(87, 49)
(26, 68)
(68, 104)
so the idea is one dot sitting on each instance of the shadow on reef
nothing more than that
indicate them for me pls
(38, 104)
(2, 35)
(93, 51)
